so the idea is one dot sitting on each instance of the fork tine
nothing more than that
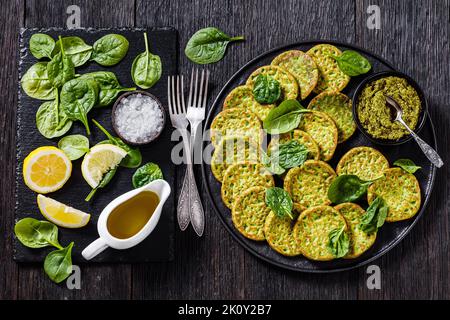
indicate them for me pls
(205, 96)
(201, 90)
(178, 96)
(173, 96)
(194, 103)
(182, 94)
(169, 101)
(190, 89)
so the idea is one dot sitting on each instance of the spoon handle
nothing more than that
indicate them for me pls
(429, 152)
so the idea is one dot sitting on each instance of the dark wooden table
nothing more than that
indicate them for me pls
(414, 36)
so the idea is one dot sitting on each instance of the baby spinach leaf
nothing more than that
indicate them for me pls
(339, 242)
(37, 84)
(279, 201)
(60, 69)
(58, 264)
(147, 68)
(75, 48)
(134, 156)
(50, 121)
(284, 118)
(107, 177)
(347, 188)
(208, 45)
(407, 164)
(146, 174)
(41, 45)
(291, 154)
(33, 233)
(266, 90)
(74, 146)
(271, 164)
(109, 87)
(78, 97)
(375, 216)
(110, 49)
(352, 63)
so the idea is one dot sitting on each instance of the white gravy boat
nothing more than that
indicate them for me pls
(160, 187)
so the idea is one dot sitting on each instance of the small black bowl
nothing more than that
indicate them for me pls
(113, 116)
(422, 115)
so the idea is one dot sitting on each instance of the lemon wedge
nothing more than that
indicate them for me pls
(99, 160)
(61, 214)
(46, 169)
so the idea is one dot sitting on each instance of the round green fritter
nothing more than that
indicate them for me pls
(242, 176)
(242, 97)
(302, 67)
(308, 185)
(323, 130)
(312, 231)
(331, 78)
(249, 213)
(236, 122)
(339, 107)
(360, 241)
(401, 192)
(302, 137)
(288, 84)
(232, 150)
(365, 162)
(279, 235)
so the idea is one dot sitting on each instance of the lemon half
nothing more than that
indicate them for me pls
(99, 160)
(46, 169)
(61, 214)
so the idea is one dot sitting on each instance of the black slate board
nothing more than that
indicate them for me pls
(159, 245)
(391, 233)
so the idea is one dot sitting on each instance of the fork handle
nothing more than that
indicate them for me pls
(184, 205)
(197, 214)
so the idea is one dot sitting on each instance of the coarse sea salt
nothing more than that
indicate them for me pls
(138, 118)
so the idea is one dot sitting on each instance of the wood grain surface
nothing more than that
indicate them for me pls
(413, 36)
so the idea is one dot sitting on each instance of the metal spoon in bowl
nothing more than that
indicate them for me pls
(429, 152)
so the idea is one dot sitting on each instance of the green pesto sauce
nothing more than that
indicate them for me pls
(377, 118)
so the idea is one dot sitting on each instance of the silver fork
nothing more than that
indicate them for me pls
(195, 115)
(177, 112)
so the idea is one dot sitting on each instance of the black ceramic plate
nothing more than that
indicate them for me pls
(390, 234)
(159, 245)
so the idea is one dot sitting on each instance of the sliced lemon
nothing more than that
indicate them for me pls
(46, 169)
(61, 214)
(99, 160)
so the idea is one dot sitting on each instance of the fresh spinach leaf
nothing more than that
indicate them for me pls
(266, 90)
(50, 121)
(60, 69)
(74, 146)
(78, 97)
(271, 164)
(41, 45)
(58, 264)
(290, 154)
(284, 118)
(134, 155)
(147, 68)
(107, 177)
(339, 242)
(146, 174)
(36, 83)
(33, 233)
(352, 63)
(208, 45)
(109, 87)
(407, 164)
(279, 201)
(75, 48)
(110, 49)
(347, 188)
(375, 216)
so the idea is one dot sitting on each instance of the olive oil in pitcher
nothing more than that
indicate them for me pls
(130, 217)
